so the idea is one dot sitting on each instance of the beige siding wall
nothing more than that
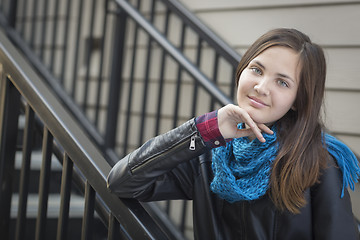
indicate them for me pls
(332, 24)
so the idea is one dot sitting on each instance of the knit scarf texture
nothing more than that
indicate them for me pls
(242, 167)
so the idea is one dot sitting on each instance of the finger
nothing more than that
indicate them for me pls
(245, 132)
(254, 127)
(265, 128)
(256, 130)
(245, 118)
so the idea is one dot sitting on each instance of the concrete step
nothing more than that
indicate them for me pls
(76, 206)
(75, 221)
(35, 167)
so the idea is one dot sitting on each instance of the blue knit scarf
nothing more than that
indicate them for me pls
(242, 167)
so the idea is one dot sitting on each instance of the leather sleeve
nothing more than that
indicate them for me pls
(332, 215)
(160, 168)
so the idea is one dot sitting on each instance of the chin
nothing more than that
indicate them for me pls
(259, 120)
(262, 120)
(256, 117)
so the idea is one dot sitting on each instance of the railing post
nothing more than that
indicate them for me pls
(88, 219)
(12, 13)
(27, 146)
(113, 228)
(65, 198)
(9, 112)
(115, 79)
(44, 184)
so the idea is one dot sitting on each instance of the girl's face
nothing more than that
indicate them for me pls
(268, 85)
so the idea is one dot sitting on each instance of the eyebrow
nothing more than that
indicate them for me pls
(279, 74)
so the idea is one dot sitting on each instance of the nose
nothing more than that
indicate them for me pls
(262, 87)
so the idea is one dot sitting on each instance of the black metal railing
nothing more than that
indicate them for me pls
(23, 93)
(133, 69)
(119, 65)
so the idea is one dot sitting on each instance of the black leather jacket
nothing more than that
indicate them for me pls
(166, 168)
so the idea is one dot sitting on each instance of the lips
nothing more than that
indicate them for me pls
(257, 103)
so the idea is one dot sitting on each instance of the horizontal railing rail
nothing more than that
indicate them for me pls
(224, 49)
(175, 53)
(20, 82)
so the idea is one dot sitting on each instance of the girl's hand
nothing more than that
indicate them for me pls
(230, 116)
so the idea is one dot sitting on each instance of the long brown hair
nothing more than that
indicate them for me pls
(301, 154)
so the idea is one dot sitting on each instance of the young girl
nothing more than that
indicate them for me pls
(273, 172)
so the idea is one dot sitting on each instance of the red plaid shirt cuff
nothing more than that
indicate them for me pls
(208, 127)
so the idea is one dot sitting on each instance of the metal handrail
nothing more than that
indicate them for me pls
(204, 31)
(74, 141)
(174, 52)
(186, 65)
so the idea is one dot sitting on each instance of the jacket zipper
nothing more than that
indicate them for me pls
(179, 145)
(192, 143)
